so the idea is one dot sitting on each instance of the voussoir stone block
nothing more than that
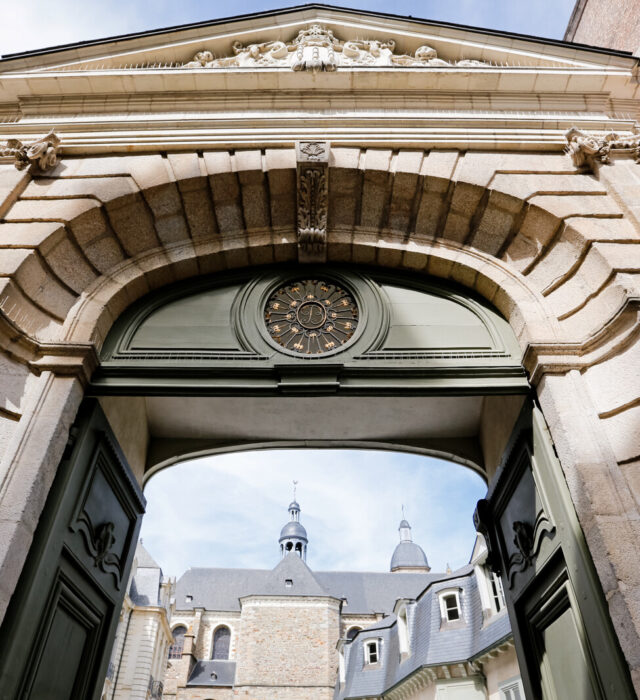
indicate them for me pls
(464, 202)
(198, 207)
(169, 217)
(600, 262)
(603, 307)
(376, 192)
(24, 313)
(282, 196)
(37, 283)
(496, 223)
(345, 196)
(132, 223)
(97, 240)
(185, 166)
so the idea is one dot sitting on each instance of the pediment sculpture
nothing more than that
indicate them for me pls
(584, 148)
(317, 49)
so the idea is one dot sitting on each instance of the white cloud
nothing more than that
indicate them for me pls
(228, 510)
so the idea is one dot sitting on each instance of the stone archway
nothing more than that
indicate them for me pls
(551, 247)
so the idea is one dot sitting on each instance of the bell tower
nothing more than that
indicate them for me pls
(293, 536)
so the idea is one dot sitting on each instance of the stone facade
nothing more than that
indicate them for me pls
(611, 23)
(138, 658)
(306, 631)
(461, 176)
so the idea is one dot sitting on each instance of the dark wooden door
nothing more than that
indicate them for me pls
(56, 638)
(563, 634)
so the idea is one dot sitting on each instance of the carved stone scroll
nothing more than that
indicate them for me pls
(585, 148)
(316, 49)
(43, 153)
(312, 159)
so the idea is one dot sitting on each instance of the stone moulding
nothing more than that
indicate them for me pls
(317, 49)
(585, 148)
(312, 159)
(43, 153)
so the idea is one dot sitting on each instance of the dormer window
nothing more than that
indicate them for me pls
(403, 633)
(371, 652)
(497, 592)
(450, 609)
(288, 582)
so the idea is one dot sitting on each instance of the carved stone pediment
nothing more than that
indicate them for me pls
(316, 48)
(584, 148)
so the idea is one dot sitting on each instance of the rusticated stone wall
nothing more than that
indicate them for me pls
(288, 642)
(554, 248)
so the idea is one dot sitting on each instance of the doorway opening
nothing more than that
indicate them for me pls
(390, 539)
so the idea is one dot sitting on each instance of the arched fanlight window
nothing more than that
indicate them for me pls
(221, 643)
(352, 632)
(175, 650)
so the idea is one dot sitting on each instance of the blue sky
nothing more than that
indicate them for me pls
(39, 23)
(227, 510)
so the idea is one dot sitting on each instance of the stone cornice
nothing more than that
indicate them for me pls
(67, 359)
(540, 359)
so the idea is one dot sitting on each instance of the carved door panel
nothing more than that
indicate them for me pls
(57, 635)
(563, 634)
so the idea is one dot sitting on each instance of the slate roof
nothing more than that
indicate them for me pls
(293, 570)
(431, 644)
(366, 592)
(144, 559)
(225, 672)
(145, 584)
(408, 554)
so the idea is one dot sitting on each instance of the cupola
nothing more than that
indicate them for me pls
(293, 536)
(408, 557)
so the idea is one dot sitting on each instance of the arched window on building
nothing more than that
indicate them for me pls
(221, 643)
(351, 633)
(175, 650)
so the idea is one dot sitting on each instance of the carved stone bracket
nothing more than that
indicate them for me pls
(585, 148)
(312, 158)
(43, 153)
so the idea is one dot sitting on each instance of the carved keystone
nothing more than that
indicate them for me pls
(312, 159)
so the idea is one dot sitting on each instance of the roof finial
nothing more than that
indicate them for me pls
(295, 484)
(403, 512)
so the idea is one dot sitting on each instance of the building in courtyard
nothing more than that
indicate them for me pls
(291, 632)
(143, 637)
(328, 227)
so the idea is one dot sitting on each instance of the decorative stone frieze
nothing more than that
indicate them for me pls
(317, 49)
(43, 153)
(312, 158)
(584, 148)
